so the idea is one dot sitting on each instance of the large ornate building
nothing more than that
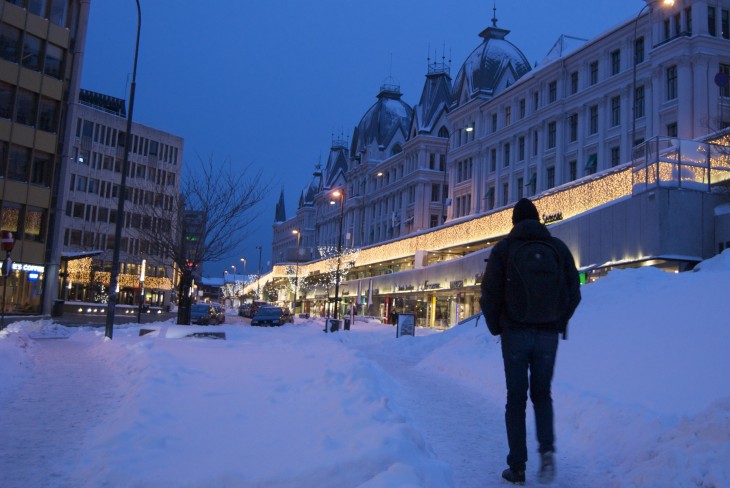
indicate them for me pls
(621, 140)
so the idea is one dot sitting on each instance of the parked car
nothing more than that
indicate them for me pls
(203, 314)
(269, 316)
(220, 312)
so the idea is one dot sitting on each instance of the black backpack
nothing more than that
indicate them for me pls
(535, 290)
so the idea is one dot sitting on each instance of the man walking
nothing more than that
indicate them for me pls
(530, 290)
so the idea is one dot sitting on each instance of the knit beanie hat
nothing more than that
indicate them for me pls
(524, 210)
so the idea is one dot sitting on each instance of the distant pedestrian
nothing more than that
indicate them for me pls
(530, 290)
(393, 317)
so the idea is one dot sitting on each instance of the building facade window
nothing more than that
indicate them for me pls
(3, 156)
(593, 111)
(640, 102)
(639, 50)
(507, 115)
(9, 43)
(573, 82)
(32, 47)
(506, 154)
(615, 155)
(711, 21)
(615, 62)
(521, 148)
(493, 159)
(672, 129)
(41, 169)
(688, 21)
(53, 62)
(725, 24)
(573, 127)
(6, 100)
(523, 108)
(550, 177)
(435, 192)
(671, 79)
(725, 90)
(593, 70)
(18, 163)
(552, 91)
(615, 111)
(25, 107)
(48, 114)
(494, 122)
(552, 135)
(10, 216)
(573, 169)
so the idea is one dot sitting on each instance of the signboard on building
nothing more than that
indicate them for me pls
(406, 324)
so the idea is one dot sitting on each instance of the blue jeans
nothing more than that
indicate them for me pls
(530, 349)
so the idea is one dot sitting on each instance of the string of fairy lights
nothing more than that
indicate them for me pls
(696, 165)
(80, 271)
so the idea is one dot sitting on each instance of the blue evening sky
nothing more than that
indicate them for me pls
(269, 82)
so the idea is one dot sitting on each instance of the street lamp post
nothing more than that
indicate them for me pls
(114, 280)
(258, 280)
(243, 260)
(141, 291)
(296, 276)
(234, 274)
(341, 195)
(665, 3)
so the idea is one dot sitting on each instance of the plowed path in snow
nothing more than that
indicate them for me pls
(465, 428)
(48, 421)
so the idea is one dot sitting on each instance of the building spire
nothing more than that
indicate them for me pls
(280, 214)
(494, 14)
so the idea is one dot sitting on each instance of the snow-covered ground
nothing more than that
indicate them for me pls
(641, 393)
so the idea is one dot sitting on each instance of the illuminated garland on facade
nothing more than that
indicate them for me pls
(571, 199)
(79, 271)
(568, 200)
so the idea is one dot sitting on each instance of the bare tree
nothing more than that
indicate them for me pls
(204, 223)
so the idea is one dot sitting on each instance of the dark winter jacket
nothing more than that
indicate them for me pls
(492, 300)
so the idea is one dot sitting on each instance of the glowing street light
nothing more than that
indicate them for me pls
(340, 194)
(234, 272)
(258, 280)
(243, 260)
(296, 278)
(141, 291)
(665, 4)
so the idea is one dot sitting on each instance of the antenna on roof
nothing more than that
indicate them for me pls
(494, 14)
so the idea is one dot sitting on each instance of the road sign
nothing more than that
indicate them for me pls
(7, 240)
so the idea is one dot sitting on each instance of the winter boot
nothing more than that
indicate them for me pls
(515, 476)
(547, 468)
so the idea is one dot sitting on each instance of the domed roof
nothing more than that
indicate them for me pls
(383, 120)
(493, 66)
